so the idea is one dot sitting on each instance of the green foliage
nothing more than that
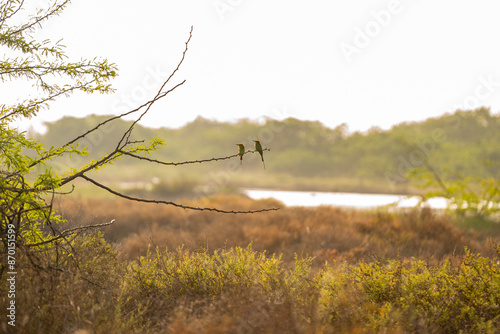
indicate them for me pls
(28, 179)
(467, 195)
(25, 179)
(21, 195)
(42, 62)
(415, 297)
(476, 197)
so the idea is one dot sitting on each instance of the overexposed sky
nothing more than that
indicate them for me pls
(365, 63)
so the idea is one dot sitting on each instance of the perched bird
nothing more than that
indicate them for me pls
(241, 151)
(258, 147)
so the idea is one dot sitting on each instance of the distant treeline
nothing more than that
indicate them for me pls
(466, 143)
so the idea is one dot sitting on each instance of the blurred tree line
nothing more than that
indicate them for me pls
(465, 143)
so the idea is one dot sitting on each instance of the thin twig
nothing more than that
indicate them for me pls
(49, 98)
(14, 12)
(144, 200)
(158, 95)
(184, 162)
(70, 231)
(39, 19)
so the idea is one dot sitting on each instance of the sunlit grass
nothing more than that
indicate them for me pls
(326, 233)
(233, 290)
(298, 270)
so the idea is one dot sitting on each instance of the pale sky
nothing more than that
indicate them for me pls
(365, 63)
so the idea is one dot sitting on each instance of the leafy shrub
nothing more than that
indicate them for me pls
(414, 297)
(158, 283)
(239, 290)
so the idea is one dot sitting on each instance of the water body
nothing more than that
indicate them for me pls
(352, 200)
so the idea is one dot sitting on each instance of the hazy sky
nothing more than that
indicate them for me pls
(365, 63)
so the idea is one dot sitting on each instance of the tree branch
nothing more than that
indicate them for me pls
(37, 103)
(64, 233)
(41, 18)
(184, 162)
(438, 178)
(14, 12)
(127, 133)
(114, 192)
(109, 157)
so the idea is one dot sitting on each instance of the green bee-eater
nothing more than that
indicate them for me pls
(241, 151)
(258, 147)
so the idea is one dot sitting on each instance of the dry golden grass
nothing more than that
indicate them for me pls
(326, 233)
(371, 272)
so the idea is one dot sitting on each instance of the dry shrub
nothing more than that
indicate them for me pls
(325, 232)
(62, 292)
(369, 282)
(229, 291)
(245, 312)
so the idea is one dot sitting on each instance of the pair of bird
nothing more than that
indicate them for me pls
(258, 148)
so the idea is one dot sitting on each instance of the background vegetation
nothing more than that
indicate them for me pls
(307, 155)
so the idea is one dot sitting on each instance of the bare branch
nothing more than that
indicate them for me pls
(148, 105)
(114, 192)
(67, 232)
(182, 59)
(127, 133)
(184, 162)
